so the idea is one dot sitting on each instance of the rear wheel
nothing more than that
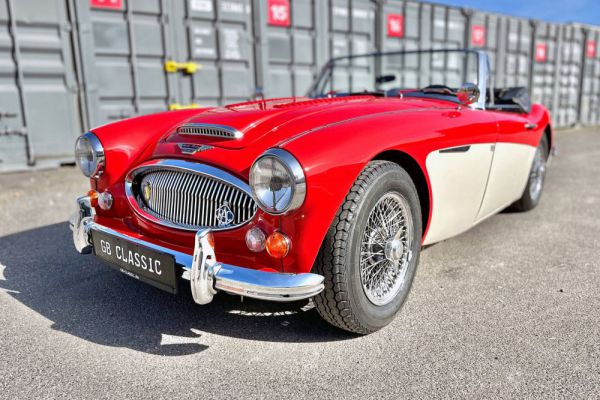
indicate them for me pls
(533, 191)
(370, 253)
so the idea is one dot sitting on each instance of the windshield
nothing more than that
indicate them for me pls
(426, 73)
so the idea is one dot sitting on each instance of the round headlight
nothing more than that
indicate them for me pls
(277, 182)
(89, 154)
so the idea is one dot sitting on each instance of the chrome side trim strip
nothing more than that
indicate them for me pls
(459, 149)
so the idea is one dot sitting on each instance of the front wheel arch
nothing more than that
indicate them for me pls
(548, 134)
(417, 175)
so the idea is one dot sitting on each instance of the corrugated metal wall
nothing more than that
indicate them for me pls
(289, 49)
(68, 65)
(39, 108)
(590, 93)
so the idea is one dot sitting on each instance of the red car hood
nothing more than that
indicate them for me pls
(272, 121)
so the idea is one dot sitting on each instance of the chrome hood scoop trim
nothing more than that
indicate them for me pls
(209, 130)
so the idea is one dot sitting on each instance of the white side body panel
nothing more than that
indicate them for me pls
(508, 177)
(458, 184)
(468, 187)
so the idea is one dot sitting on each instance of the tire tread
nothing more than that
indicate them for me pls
(332, 303)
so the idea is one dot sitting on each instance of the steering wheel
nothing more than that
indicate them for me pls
(439, 89)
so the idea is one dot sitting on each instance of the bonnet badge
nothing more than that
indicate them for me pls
(190, 148)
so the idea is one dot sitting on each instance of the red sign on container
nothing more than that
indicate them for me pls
(478, 35)
(590, 49)
(112, 4)
(541, 52)
(395, 25)
(278, 12)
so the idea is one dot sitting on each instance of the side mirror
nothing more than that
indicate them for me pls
(468, 93)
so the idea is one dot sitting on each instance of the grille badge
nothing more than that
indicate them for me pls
(147, 191)
(224, 215)
(190, 148)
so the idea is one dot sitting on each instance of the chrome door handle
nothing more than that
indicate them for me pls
(530, 126)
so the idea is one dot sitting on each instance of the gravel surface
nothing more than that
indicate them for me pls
(509, 309)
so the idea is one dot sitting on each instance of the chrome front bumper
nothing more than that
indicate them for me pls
(206, 275)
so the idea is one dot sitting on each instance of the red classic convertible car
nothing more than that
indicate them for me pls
(329, 196)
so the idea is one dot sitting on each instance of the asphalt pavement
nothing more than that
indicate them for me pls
(510, 309)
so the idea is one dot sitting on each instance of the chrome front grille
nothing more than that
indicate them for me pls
(189, 196)
(218, 131)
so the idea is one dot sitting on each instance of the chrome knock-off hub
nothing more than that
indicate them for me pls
(393, 250)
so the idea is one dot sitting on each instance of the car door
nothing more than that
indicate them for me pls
(458, 170)
(510, 165)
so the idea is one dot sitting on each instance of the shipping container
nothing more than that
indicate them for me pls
(590, 88)
(39, 108)
(123, 49)
(290, 45)
(411, 25)
(144, 56)
(570, 70)
(351, 30)
(545, 66)
(507, 41)
(217, 35)
(69, 65)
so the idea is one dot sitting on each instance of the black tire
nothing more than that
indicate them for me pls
(531, 197)
(343, 302)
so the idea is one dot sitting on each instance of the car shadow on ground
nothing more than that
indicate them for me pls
(85, 298)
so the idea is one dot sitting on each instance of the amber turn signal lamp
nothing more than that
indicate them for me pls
(93, 195)
(278, 245)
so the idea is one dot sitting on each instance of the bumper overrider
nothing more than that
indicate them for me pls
(206, 275)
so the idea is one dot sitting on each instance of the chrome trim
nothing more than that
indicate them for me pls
(459, 149)
(183, 260)
(530, 126)
(385, 249)
(484, 77)
(191, 148)
(201, 169)
(98, 153)
(204, 269)
(79, 222)
(468, 93)
(296, 172)
(207, 276)
(212, 130)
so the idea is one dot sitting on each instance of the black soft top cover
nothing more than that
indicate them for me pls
(514, 96)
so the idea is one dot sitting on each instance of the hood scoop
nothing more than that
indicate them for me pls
(209, 130)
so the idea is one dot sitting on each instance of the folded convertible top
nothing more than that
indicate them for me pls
(514, 95)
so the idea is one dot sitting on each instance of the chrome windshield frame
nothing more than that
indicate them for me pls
(485, 82)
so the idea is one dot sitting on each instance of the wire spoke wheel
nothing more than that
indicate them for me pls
(385, 248)
(536, 177)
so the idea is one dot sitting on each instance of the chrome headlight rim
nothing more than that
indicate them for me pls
(296, 173)
(98, 156)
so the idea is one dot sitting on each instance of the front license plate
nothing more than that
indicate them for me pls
(139, 262)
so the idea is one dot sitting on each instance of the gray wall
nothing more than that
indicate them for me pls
(69, 65)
